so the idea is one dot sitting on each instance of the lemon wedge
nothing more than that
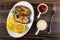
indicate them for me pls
(11, 22)
(19, 28)
(10, 26)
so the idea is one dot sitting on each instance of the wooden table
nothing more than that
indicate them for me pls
(6, 5)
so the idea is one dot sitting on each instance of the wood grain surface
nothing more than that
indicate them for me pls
(6, 5)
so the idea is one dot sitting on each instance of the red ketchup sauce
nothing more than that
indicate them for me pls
(42, 8)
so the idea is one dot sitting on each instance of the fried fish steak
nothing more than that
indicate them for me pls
(21, 19)
(22, 10)
(21, 14)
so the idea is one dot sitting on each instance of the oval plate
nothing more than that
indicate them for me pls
(27, 4)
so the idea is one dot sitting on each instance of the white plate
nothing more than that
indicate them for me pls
(27, 4)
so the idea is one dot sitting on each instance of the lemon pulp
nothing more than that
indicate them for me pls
(11, 22)
(19, 28)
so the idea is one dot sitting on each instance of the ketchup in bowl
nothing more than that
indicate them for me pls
(42, 8)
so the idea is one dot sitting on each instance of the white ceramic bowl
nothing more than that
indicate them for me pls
(44, 5)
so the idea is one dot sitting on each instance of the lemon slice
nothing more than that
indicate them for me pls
(9, 25)
(20, 28)
(12, 20)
